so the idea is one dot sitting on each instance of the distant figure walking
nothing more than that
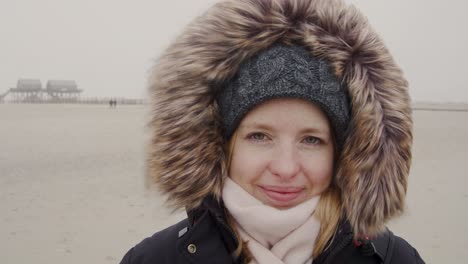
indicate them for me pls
(112, 103)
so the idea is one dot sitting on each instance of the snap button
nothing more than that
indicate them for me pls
(192, 248)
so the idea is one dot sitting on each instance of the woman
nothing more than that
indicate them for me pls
(284, 129)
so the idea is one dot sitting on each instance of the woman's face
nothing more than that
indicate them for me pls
(282, 153)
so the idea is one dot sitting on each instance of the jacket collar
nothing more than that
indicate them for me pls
(208, 224)
(339, 241)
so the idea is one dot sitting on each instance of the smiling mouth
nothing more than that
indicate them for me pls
(281, 195)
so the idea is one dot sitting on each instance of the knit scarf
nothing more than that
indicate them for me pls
(273, 236)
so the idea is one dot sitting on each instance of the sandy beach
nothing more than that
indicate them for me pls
(72, 188)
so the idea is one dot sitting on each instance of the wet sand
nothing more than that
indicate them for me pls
(72, 187)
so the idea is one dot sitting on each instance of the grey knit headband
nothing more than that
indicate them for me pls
(284, 71)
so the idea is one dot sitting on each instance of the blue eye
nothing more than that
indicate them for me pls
(312, 140)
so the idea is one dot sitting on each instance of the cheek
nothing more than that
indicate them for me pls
(245, 168)
(319, 172)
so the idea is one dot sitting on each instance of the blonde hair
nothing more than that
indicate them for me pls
(328, 212)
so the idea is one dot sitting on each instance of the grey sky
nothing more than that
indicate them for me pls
(108, 46)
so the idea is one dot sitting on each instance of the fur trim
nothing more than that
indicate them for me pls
(186, 158)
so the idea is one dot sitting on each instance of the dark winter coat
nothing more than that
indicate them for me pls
(206, 238)
(186, 158)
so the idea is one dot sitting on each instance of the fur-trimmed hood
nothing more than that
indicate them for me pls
(186, 155)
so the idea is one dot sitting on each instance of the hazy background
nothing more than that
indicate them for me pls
(71, 176)
(107, 46)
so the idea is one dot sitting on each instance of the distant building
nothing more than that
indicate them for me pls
(26, 90)
(61, 89)
(62, 86)
(27, 86)
(30, 91)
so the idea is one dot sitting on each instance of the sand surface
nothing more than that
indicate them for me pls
(72, 187)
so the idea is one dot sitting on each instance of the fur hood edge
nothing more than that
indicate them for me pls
(186, 159)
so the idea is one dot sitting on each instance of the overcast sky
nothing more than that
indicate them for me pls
(107, 46)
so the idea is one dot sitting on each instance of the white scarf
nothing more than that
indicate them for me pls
(273, 236)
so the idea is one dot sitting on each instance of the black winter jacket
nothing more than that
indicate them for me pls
(204, 237)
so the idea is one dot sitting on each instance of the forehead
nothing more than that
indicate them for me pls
(287, 112)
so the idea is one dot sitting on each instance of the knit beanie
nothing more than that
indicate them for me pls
(283, 71)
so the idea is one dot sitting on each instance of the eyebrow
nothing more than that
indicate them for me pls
(315, 130)
(257, 125)
(263, 126)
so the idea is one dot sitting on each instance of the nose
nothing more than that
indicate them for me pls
(285, 163)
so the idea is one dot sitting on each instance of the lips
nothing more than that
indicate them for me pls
(281, 195)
